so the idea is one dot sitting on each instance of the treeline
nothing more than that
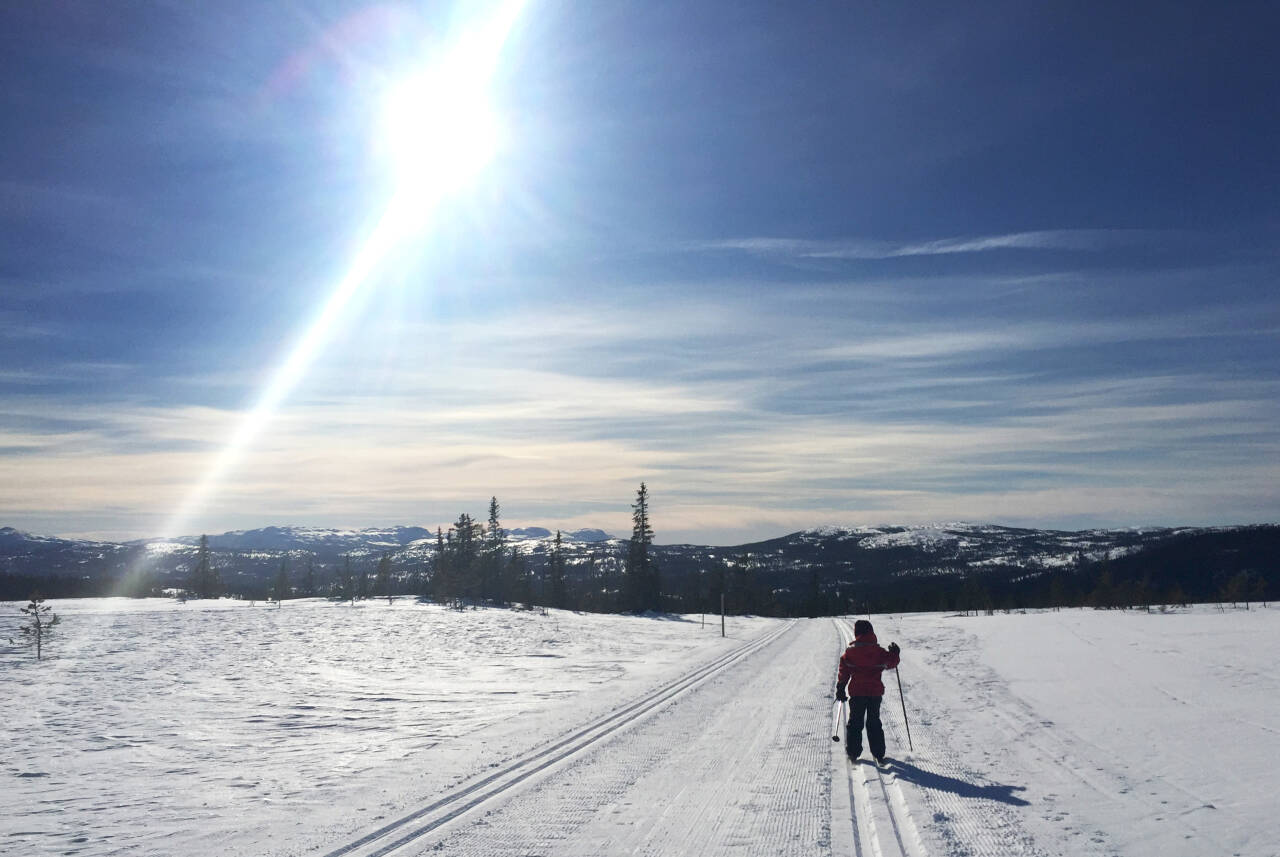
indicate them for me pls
(16, 586)
(1236, 568)
(472, 564)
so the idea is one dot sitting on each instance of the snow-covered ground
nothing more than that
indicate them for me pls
(223, 728)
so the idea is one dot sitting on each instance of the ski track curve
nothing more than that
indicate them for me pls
(961, 814)
(475, 801)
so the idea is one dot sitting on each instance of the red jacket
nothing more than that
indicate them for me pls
(861, 665)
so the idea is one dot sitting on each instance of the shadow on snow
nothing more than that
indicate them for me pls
(941, 782)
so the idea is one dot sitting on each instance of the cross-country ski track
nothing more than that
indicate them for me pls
(323, 730)
(733, 757)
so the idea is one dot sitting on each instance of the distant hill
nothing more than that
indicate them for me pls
(830, 569)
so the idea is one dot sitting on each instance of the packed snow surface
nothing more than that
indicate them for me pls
(154, 728)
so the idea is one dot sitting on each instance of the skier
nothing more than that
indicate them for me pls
(861, 666)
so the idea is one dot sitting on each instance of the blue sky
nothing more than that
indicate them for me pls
(847, 262)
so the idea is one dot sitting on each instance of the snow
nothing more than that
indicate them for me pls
(230, 727)
(926, 537)
(1115, 732)
(320, 729)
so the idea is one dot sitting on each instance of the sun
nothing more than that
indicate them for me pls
(439, 130)
(439, 126)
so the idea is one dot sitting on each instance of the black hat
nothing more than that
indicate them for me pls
(862, 626)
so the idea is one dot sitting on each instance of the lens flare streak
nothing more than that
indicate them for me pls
(459, 84)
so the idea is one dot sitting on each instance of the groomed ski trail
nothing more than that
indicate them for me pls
(407, 834)
(923, 803)
(732, 757)
(732, 765)
(871, 817)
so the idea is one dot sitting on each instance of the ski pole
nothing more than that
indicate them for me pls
(902, 697)
(837, 720)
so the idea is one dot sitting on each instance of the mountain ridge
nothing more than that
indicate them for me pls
(906, 566)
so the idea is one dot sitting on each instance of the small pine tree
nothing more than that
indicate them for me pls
(204, 582)
(464, 560)
(742, 586)
(422, 580)
(383, 580)
(1142, 593)
(345, 585)
(1259, 592)
(556, 573)
(518, 577)
(39, 623)
(442, 586)
(976, 597)
(1103, 596)
(362, 582)
(1236, 589)
(1057, 592)
(281, 589)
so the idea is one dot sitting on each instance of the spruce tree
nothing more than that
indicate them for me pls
(309, 582)
(743, 587)
(556, 572)
(1057, 592)
(281, 589)
(463, 556)
(1259, 591)
(204, 581)
(643, 585)
(383, 581)
(494, 554)
(518, 577)
(1104, 595)
(362, 582)
(441, 584)
(346, 584)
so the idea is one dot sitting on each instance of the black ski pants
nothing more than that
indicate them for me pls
(865, 708)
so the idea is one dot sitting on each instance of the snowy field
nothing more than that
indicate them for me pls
(223, 728)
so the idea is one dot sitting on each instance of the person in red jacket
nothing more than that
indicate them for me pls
(861, 666)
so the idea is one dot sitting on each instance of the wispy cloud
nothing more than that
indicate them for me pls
(866, 248)
(749, 413)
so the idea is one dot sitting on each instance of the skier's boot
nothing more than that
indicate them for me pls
(882, 761)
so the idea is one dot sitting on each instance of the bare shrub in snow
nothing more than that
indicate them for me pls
(39, 623)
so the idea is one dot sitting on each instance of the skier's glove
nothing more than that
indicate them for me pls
(893, 647)
(840, 697)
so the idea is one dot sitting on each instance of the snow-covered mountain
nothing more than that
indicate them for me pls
(534, 533)
(377, 539)
(908, 567)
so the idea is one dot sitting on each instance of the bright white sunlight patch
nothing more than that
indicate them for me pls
(439, 129)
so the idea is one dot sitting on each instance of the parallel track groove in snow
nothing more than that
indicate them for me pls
(872, 813)
(731, 767)
(471, 796)
(959, 816)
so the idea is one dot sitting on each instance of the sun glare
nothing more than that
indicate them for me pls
(439, 129)
(439, 126)
(439, 132)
